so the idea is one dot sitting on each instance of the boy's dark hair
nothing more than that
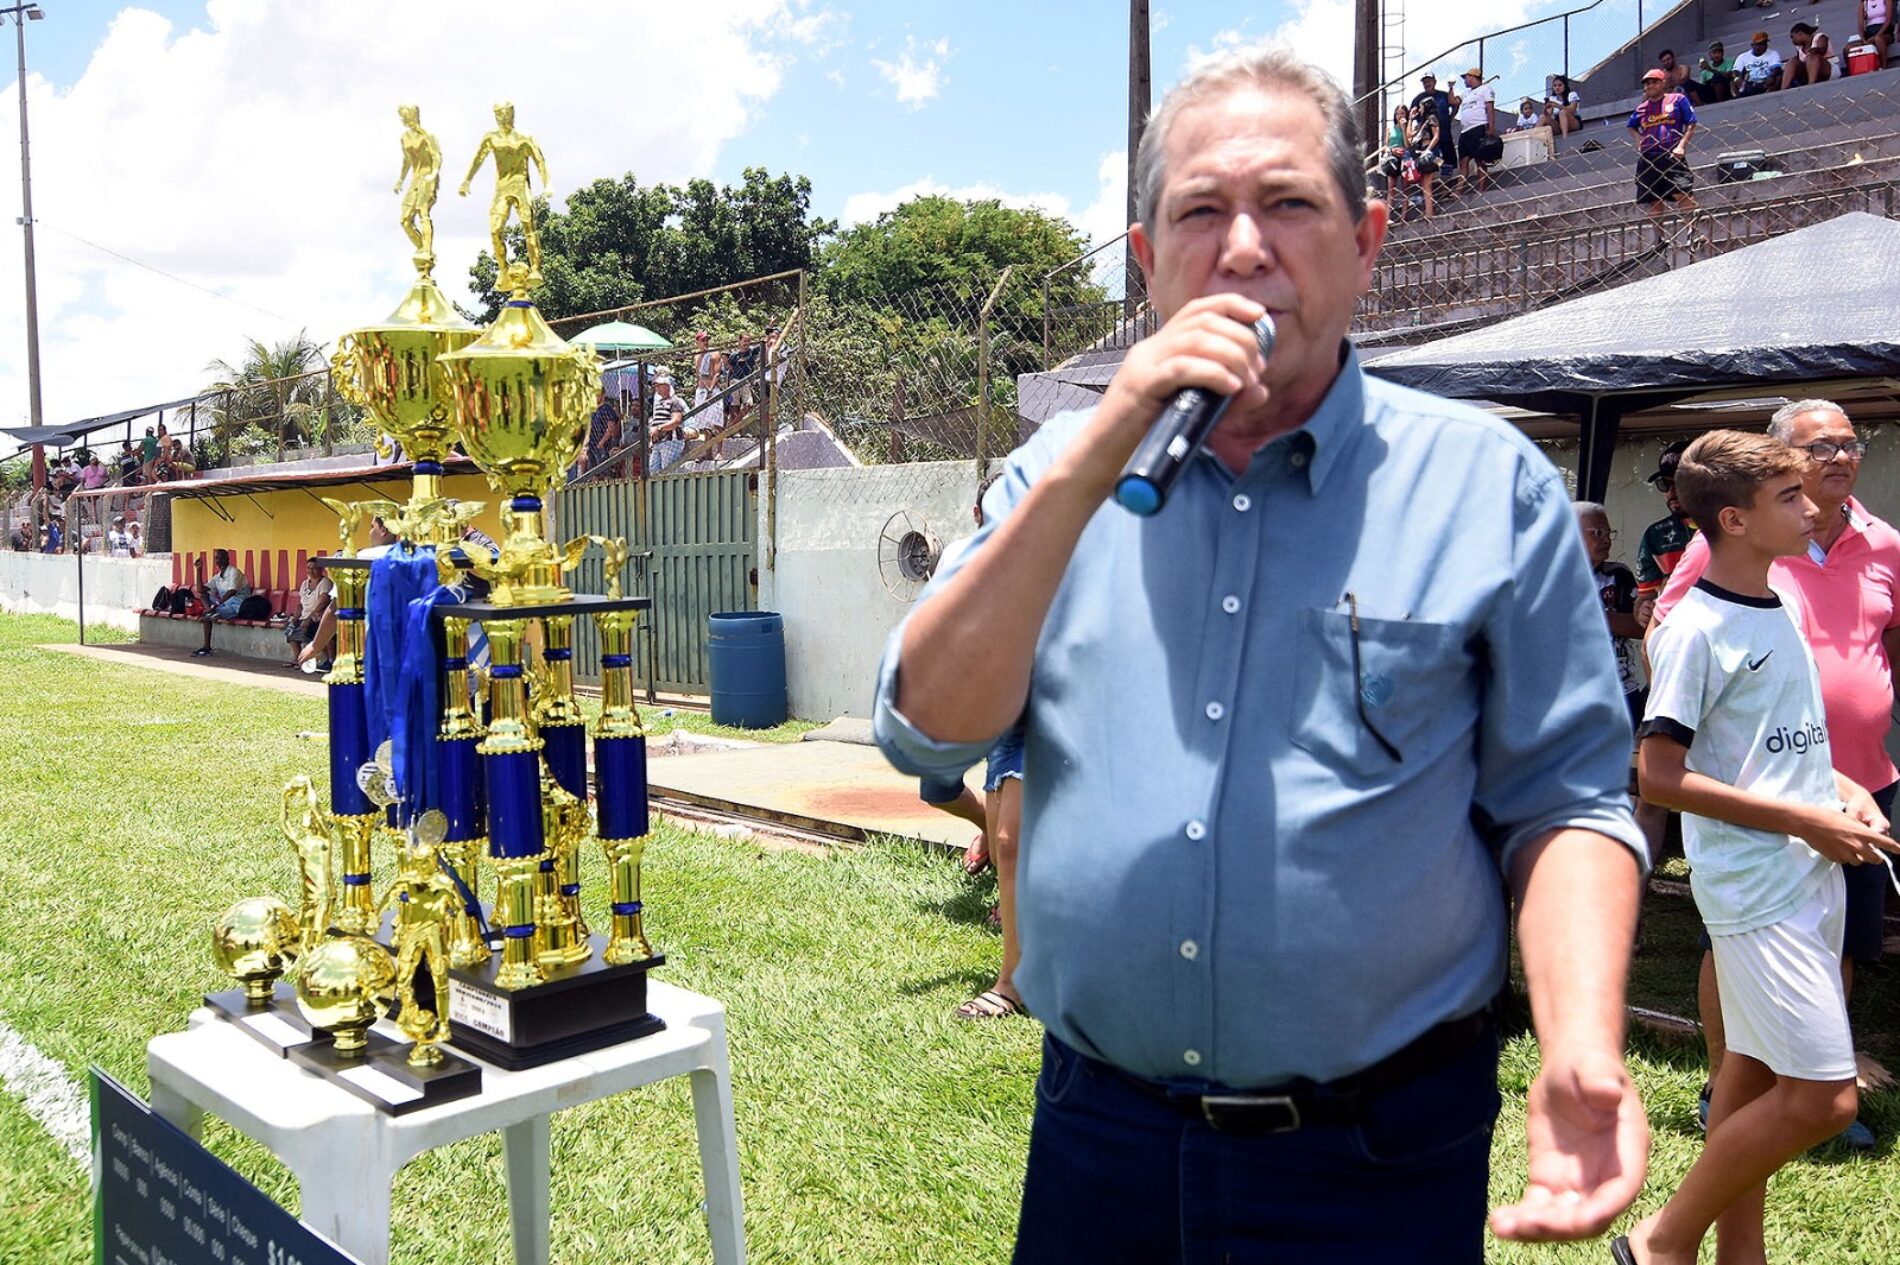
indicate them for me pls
(1801, 28)
(1728, 467)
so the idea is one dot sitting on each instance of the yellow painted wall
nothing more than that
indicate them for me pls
(293, 518)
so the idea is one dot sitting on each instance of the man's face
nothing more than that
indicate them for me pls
(1829, 481)
(1653, 89)
(663, 388)
(1250, 207)
(1781, 520)
(1596, 537)
(312, 571)
(1428, 84)
(1667, 61)
(1759, 46)
(1667, 486)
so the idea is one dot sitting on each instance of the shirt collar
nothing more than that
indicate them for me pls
(1339, 418)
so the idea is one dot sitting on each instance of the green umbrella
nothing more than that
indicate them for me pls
(621, 336)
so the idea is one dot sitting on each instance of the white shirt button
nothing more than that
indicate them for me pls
(1230, 604)
(1196, 831)
(1215, 711)
(1243, 502)
(1191, 1057)
(1190, 950)
(1298, 460)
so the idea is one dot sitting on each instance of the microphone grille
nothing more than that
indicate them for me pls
(1264, 333)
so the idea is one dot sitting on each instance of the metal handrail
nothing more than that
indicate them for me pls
(1479, 40)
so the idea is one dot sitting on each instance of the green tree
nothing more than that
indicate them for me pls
(273, 397)
(619, 242)
(932, 240)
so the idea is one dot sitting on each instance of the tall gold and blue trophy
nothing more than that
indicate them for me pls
(504, 770)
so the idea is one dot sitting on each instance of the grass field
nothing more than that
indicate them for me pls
(872, 1126)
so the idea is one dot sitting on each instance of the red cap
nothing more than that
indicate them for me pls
(1653, 74)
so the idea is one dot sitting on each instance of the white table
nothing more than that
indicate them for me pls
(345, 1153)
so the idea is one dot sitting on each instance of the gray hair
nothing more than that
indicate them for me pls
(1586, 508)
(1781, 425)
(1267, 69)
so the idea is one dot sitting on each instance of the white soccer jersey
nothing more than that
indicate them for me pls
(1736, 684)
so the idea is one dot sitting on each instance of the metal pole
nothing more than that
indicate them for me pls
(1566, 54)
(76, 521)
(1140, 97)
(19, 12)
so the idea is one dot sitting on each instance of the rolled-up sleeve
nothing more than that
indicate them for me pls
(1554, 741)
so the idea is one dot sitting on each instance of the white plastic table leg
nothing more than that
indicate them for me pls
(719, 1148)
(524, 1150)
(169, 1104)
(345, 1190)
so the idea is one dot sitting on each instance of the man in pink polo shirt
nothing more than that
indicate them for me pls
(1847, 587)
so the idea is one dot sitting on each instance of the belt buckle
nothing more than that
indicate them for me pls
(1215, 1108)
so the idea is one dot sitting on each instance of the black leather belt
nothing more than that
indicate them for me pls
(1305, 1104)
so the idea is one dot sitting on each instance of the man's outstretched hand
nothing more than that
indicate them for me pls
(1589, 1150)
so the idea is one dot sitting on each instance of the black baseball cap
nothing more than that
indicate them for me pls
(1666, 463)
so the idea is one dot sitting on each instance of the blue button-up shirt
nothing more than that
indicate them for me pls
(1225, 875)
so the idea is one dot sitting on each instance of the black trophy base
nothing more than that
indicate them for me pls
(382, 1076)
(276, 1024)
(578, 1010)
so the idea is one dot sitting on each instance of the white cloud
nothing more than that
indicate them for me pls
(254, 155)
(917, 80)
(1103, 219)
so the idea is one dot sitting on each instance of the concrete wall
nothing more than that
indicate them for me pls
(49, 583)
(826, 585)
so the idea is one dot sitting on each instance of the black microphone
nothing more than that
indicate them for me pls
(1174, 439)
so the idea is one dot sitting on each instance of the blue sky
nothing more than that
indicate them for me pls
(210, 171)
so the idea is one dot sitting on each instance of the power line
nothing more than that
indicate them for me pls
(139, 263)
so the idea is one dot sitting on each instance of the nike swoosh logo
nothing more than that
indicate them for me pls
(1754, 665)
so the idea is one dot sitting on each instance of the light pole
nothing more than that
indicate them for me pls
(21, 14)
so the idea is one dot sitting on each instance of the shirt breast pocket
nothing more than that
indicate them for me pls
(1407, 697)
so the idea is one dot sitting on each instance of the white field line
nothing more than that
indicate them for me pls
(50, 1096)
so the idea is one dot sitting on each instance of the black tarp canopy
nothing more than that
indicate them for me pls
(1818, 303)
(67, 433)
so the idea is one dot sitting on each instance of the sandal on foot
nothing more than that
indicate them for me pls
(1620, 1250)
(990, 1004)
(976, 857)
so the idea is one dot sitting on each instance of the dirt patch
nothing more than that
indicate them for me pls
(850, 803)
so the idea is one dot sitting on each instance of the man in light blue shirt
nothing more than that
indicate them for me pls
(1288, 743)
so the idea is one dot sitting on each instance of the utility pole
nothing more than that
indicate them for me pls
(1366, 63)
(21, 13)
(1140, 97)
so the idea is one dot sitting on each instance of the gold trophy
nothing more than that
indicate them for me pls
(343, 988)
(254, 943)
(522, 395)
(309, 833)
(428, 906)
(390, 370)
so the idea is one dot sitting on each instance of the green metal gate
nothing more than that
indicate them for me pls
(695, 552)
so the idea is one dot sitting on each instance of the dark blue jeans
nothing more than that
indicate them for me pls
(1116, 1176)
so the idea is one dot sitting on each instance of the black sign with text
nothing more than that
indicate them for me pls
(159, 1198)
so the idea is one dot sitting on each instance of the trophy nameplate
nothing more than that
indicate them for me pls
(578, 1009)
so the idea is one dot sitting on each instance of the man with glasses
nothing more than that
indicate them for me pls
(1845, 588)
(1616, 589)
(1288, 743)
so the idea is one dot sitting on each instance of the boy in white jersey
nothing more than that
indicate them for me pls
(1735, 738)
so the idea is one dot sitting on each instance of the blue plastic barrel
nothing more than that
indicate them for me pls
(746, 650)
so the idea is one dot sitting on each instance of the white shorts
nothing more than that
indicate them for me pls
(1782, 1001)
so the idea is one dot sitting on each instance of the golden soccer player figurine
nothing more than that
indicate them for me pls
(303, 824)
(422, 167)
(512, 150)
(427, 906)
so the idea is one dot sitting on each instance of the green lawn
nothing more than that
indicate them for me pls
(872, 1126)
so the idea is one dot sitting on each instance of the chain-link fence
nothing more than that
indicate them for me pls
(1568, 223)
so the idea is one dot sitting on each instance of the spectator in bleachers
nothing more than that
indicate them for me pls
(314, 597)
(1715, 74)
(1811, 61)
(665, 437)
(148, 454)
(745, 363)
(1876, 25)
(1561, 104)
(128, 465)
(1759, 69)
(118, 544)
(222, 595)
(65, 477)
(1662, 126)
(1477, 123)
(93, 477)
(603, 432)
(51, 537)
(709, 367)
(1438, 102)
(1528, 116)
(1678, 79)
(135, 539)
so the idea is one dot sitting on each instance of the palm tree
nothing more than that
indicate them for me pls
(278, 389)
